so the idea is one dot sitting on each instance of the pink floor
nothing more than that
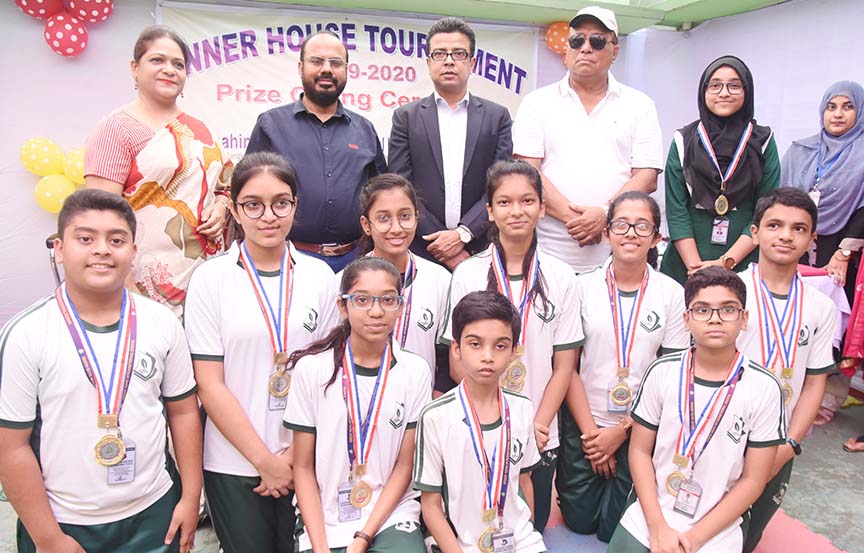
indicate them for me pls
(785, 534)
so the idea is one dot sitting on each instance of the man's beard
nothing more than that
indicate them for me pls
(323, 98)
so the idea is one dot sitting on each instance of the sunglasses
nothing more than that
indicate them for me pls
(598, 42)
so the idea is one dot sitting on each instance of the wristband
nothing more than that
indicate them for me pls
(363, 536)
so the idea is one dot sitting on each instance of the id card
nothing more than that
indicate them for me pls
(720, 231)
(277, 403)
(124, 471)
(688, 498)
(815, 195)
(347, 512)
(617, 397)
(503, 541)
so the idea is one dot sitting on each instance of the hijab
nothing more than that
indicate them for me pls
(724, 134)
(841, 189)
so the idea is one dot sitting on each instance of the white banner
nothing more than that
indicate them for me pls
(244, 62)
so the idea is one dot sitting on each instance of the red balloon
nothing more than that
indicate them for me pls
(40, 9)
(66, 35)
(556, 36)
(91, 11)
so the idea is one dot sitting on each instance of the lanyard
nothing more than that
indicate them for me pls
(625, 335)
(526, 297)
(276, 320)
(736, 158)
(779, 333)
(361, 431)
(403, 323)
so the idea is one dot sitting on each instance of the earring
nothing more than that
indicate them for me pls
(135, 85)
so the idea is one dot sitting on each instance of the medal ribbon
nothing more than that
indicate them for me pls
(276, 321)
(779, 334)
(403, 323)
(526, 297)
(736, 158)
(686, 445)
(625, 337)
(496, 472)
(111, 391)
(361, 432)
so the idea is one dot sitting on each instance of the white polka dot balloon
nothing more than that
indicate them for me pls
(40, 9)
(65, 34)
(91, 11)
(42, 156)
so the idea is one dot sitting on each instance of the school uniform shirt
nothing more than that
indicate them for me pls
(556, 328)
(445, 463)
(754, 418)
(429, 293)
(660, 327)
(44, 387)
(815, 339)
(224, 323)
(317, 408)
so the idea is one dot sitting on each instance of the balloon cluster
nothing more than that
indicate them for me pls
(556, 37)
(65, 31)
(60, 174)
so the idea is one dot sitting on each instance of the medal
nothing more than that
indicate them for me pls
(513, 386)
(276, 319)
(788, 392)
(484, 542)
(111, 387)
(516, 370)
(620, 394)
(721, 204)
(674, 481)
(361, 494)
(625, 336)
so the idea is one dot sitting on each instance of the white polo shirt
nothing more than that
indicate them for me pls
(224, 323)
(43, 387)
(588, 157)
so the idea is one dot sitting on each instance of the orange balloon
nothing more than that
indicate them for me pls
(556, 36)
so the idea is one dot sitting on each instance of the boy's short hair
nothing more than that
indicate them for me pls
(790, 197)
(98, 200)
(482, 305)
(714, 276)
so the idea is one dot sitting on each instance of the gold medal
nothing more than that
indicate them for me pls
(620, 394)
(674, 481)
(787, 392)
(110, 450)
(680, 461)
(485, 543)
(489, 515)
(107, 421)
(513, 386)
(721, 204)
(520, 351)
(280, 383)
(280, 358)
(516, 371)
(361, 494)
(787, 373)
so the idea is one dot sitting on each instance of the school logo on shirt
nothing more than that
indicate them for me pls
(517, 451)
(427, 320)
(804, 336)
(546, 315)
(398, 415)
(406, 526)
(651, 322)
(736, 429)
(311, 322)
(145, 368)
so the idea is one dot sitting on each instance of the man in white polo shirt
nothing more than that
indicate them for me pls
(591, 137)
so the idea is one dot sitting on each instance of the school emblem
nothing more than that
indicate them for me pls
(427, 320)
(145, 368)
(517, 451)
(406, 526)
(398, 415)
(651, 322)
(737, 429)
(781, 493)
(804, 336)
(311, 322)
(546, 315)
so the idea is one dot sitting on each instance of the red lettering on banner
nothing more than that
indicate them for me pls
(390, 99)
(247, 95)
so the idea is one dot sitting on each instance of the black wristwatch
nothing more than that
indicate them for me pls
(796, 447)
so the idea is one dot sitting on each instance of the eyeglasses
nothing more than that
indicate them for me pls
(364, 302)
(623, 227)
(597, 42)
(255, 209)
(727, 313)
(455, 55)
(406, 220)
(734, 87)
(335, 63)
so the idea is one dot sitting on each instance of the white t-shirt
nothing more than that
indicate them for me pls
(444, 462)
(754, 418)
(316, 408)
(815, 340)
(588, 157)
(557, 328)
(44, 387)
(224, 323)
(428, 309)
(660, 325)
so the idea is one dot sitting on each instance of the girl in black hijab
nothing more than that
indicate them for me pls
(717, 168)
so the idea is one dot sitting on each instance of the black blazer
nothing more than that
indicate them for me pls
(415, 153)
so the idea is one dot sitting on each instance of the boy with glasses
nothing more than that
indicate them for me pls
(707, 423)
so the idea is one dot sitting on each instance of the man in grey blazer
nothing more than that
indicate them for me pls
(444, 144)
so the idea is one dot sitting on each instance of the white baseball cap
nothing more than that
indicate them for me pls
(604, 16)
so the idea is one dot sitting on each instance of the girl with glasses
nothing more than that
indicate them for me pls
(718, 168)
(246, 311)
(542, 288)
(629, 313)
(353, 406)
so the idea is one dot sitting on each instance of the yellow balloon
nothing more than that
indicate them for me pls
(73, 165)
(52, 191)
(42, 157)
